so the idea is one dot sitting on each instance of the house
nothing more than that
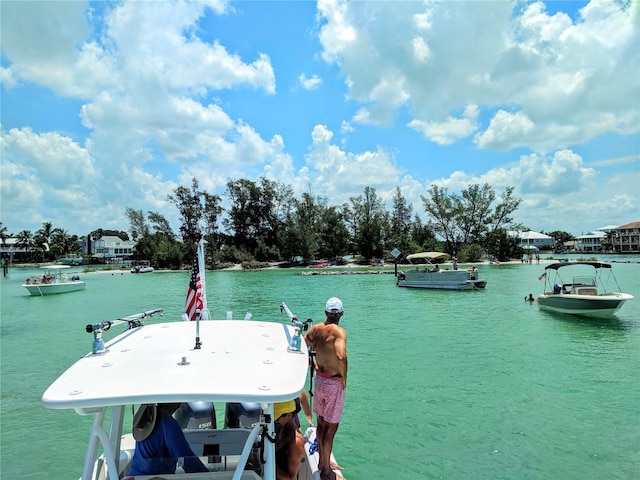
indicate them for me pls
(531, 239)
(590, 242)
(110, 248)
(626, 238)
(10, 249)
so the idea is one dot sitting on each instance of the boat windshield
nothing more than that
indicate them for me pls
(584, 281)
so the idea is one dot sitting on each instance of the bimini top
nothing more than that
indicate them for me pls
(239, 361)
(428, 256)
(55, 267)
(556, 266)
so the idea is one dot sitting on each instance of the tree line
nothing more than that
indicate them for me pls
(264, 221)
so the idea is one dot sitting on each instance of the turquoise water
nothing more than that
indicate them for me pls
(442, 385)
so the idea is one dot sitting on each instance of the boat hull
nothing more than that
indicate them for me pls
(600, 306)
(442, 280)
(54, 288)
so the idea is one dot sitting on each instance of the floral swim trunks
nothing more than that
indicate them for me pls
(329, 398)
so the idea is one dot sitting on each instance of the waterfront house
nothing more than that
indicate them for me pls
(626, 238)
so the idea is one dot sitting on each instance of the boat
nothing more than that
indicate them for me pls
(243, 365)
(72, 260)
(54, 280)
(586, 294)
(142, 266)
(428, 274)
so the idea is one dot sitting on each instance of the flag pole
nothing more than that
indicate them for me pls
(201, 266)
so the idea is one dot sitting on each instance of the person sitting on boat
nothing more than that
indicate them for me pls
(28, 281)
(160, 441)
(289, 441)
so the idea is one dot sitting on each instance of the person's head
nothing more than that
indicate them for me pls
(283, 412)
(334, 309)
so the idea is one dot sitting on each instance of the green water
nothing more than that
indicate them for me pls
(451, 385)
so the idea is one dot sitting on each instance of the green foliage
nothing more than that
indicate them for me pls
(471, 253)
(265, 222)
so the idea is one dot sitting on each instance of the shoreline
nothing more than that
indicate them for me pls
(387, 268)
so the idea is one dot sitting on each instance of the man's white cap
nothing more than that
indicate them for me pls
(334, 305)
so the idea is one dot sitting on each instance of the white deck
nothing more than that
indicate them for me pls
(239, 361)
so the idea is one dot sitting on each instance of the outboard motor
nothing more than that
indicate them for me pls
(241, 415)
(196, 415)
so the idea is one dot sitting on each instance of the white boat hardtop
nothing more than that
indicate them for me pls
(158, 363)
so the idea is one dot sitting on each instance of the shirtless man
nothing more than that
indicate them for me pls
(329, 341)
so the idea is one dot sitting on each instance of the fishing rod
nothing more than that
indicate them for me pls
(295, 343)
(133, 321)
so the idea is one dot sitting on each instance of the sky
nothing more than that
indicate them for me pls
(113, 104)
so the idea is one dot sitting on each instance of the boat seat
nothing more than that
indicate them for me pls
(587, 291)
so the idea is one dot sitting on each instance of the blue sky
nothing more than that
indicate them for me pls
(109, 105)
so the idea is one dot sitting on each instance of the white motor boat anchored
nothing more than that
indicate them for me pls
(428, 274)
(586, 294)
(142, 266)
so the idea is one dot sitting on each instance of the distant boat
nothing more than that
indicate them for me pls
(428, 274)
(54, 280)
(72, 259)
(142, 266)
(585, 294)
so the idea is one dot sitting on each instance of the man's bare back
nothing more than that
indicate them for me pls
(330, 344)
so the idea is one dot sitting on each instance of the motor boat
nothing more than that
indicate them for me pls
(587, 293)
(54, 280)
(142, 266)
(427, 273)
(244, 364)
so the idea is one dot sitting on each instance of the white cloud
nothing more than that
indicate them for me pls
(564, 81)
(340, 174)
(309, 83)
(450, 130)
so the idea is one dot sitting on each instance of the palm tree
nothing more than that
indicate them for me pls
(3, 234)
(25, 240)
(44, 237)
(61, 241)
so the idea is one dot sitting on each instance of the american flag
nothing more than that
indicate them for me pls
(194, 294)
(542, 276)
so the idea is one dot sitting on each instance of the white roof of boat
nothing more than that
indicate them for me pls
(428, 256)
(56, 267)
(239, 361)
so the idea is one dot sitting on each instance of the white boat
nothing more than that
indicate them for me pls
(54, 280)
(428, 274)
(244, 365)
(142, 266)
(230, 362)
(587, 293)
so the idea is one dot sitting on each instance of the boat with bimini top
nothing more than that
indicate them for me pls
(587, 293)
(54, 280)
(246, 365)
(428, 274)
